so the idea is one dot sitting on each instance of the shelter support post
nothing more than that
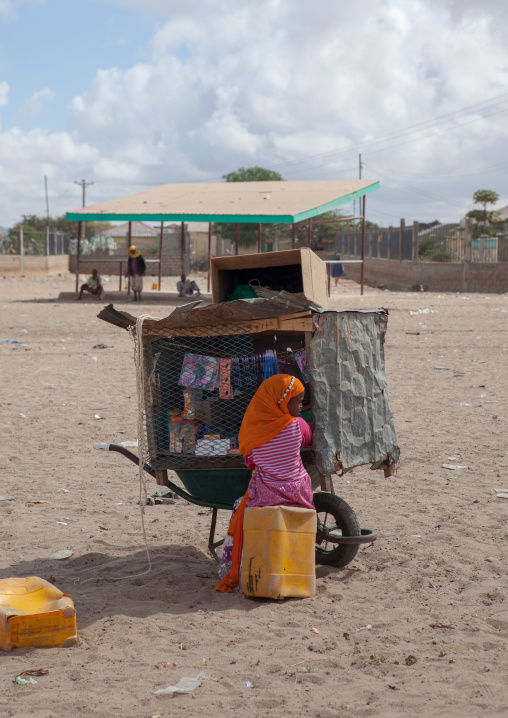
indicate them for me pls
(182, 248)
(160, 257)
(22, 250)
(293, 236)
(129, 243)
(78, 251)
(259, 237)
(363, 247)
(236, 238)
(208, 264)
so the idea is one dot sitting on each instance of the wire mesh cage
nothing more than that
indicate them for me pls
(198, 382)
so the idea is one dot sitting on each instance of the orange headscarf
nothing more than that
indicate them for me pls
(265, 418)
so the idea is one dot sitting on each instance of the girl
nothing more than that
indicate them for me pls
(270, 439)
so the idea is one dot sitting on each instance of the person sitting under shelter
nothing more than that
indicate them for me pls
(93, 285)
(186, 287)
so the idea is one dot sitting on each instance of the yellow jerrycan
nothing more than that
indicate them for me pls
(35, 613)
(279, 552)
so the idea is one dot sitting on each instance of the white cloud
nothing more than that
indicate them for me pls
(35, 104)
(278, 81)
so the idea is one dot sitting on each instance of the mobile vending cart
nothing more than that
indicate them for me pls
(202, 365)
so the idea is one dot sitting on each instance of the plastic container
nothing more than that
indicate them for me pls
(33, 612)
(279, 552)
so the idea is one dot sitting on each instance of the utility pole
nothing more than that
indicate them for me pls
(84, 185)
(47, 201)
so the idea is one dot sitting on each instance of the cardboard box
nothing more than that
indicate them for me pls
(299, 271)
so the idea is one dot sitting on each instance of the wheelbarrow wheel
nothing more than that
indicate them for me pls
(334, 518)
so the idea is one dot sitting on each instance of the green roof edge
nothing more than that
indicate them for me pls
(227, 218)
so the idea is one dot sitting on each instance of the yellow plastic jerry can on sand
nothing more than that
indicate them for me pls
(33, 612)
(279, 552)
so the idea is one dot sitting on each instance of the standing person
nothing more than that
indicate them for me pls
(186, 287)
(136, 271)
(270, 438)
(93, 285)
(337, 270)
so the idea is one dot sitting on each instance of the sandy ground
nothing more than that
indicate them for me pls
(439, 558)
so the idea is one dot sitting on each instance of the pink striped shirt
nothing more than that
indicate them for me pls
(280, 477)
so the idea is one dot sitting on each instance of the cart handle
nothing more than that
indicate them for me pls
(128, 454)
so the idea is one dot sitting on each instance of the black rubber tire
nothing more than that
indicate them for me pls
(344, 519)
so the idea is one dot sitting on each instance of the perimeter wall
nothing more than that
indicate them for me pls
(432, 276)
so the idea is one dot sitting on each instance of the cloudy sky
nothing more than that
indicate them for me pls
(134, 93)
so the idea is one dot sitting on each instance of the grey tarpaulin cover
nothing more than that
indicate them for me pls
(353, 420)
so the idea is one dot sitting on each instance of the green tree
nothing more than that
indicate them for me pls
(483, 197)
(252, 174)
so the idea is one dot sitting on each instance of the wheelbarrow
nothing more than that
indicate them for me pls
(338, 536)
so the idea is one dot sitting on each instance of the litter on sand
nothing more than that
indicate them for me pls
(454, 466)
(127, 444)
(501, 495)
(24, 681)
(185, 685)
(249, 684)
(62, 491)
(6, 498)
(98, 416)
(365, 628)
(19, 415)
(63, 553)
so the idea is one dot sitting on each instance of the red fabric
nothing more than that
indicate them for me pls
(232, 578)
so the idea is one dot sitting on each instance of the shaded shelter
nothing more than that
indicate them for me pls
(232, 203)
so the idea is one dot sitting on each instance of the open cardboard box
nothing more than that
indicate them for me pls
(298, 271)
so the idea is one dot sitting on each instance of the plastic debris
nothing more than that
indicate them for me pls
(162, 496)
(466, 403)
(62, 523)
(127, 444)
(62, 554)
(19, 415)
(443, 368)
(454, 466)
(501, 495)
(98, 416)
(165, 664)
(24, 681)
(183, 646)
(314, 630)
(422, 311)
(185, 685)
(249, 684)
(62, 491)
(6, 498)
(365, 628)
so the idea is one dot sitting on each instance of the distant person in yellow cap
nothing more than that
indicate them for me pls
(136, 271)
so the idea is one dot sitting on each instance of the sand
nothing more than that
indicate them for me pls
(438, 561)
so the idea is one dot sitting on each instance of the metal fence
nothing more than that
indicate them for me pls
(444, 244)
(33, 243)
